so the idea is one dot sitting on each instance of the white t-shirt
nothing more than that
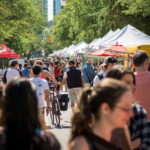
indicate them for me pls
(65, 74)
(96, 79)
(11, 74)
(41, 85)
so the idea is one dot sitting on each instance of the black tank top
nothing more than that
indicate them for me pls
(97, 143)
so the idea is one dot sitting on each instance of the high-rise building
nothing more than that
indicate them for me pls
(50, 8)
(63, 3)
(44, 9)
(43, 6)
(54, 8)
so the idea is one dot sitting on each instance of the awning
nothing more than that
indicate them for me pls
(132, 49)
(6, 52)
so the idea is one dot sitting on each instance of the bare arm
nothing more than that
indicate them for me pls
(62, 83)
(78, 144)
(46, 74)
(82, 82)
(47, 97)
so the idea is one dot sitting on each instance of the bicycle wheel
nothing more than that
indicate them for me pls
(56, 112)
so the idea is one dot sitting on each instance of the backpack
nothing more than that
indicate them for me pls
(100, 75)
(4, 78)
(19, 72)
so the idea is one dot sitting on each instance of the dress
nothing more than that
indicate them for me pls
(42, 141)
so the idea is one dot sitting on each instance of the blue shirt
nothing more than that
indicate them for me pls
(88, 73)
(25, 72)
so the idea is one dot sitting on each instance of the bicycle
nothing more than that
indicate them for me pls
(55, 109)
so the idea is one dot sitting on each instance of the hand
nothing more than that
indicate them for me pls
(136, 143)
(48, 110)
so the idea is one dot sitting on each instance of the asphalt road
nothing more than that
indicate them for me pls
(63, 132)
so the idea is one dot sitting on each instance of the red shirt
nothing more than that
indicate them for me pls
(56, 71)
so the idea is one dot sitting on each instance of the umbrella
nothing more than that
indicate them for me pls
(102, 52)
(116, 50)
(6, 52)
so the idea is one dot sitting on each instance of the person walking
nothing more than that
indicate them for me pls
(13, 72)
(20, 125)
(109, 62)
(44, 73)
(142, 75)
(56, 70)
(42, 91)
(75, 83)
(25, 71)
(88, 73)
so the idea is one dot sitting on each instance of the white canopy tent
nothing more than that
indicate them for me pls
(79, 48)
(106, 38)
(95, 44)
(67, 51)
(90, 45)
(128, 36)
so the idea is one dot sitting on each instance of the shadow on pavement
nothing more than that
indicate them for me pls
(61, 126)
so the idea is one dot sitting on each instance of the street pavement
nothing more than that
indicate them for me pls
(63, 132)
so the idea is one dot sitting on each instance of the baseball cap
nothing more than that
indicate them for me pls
(108, 60)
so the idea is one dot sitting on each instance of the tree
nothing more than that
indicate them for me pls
(89, 19)
(21, 24)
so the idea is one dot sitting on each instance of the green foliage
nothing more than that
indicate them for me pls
(21, 23)
(85, 20)
(136, 7)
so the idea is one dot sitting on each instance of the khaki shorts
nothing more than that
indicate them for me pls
(74, 94)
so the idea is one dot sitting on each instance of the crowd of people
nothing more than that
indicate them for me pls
(110, 105)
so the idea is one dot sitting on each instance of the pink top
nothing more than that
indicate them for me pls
(142, 93)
